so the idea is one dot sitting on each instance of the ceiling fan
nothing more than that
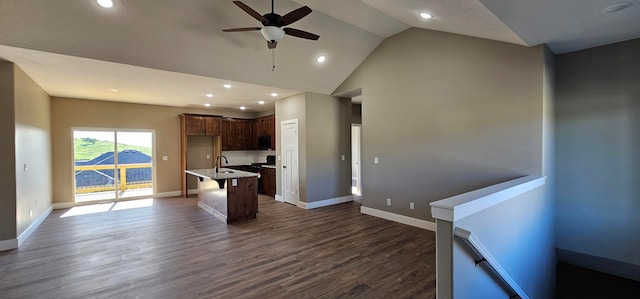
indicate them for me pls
(273, 24)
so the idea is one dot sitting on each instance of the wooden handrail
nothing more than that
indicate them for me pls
(123, 173)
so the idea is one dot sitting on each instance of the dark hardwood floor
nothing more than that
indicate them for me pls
(174, 249)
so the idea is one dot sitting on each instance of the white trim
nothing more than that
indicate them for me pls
(457, 207)
(168, 194)
(279, 198)
(399, 218)
(324, 203)
(34, 225)
(192, 191)
(483, 252)
(63, 205)
(8, 244)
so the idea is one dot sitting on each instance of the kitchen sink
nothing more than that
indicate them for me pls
(226, 171)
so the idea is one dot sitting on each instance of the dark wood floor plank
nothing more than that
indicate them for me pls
(173, 249)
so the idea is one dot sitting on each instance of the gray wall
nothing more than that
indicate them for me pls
(324, 126)
(524, 248)
(291, 108)
(7, 148)
(356, 114)
(328, 138)
(446, 114)
(597, 146)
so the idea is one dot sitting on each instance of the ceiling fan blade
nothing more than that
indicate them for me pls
(294, 16)
(251, 12)
(271, 45)
(300, 33)
(241, 29)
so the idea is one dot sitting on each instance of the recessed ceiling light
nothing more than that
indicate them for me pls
(207, 105)
(113, 89)
(261, 102)
(243, 108)
(105, 3)
(425, 15)
(227, 86)
(274, 94)
(617, 7)
(321, 59)
(209, 95)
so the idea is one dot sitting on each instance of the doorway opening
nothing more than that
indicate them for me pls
(111, 165)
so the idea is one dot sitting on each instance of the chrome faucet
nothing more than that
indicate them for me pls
(217, 167)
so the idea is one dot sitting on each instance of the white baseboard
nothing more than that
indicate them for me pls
(279, 198)
(324, 203)
(63, 205)
(399, 218)
(8, 244)
(27, 232)
(168, 194)
(192, 191)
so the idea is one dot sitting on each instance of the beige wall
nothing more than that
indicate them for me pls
(69, 113)
(446, 114)
(33, 149)
(7, 148)
(25, 131)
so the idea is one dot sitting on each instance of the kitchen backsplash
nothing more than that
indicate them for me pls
(247, 157)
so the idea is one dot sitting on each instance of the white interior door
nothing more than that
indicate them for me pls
(356, 170)
(290, 180)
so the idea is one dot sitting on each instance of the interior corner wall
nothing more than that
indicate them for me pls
(7, 148)
(32, 151)
(328, 139)
(446, 114)
(291, 108)
(597, 136)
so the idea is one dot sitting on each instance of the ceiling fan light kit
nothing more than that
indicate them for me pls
(273, 29)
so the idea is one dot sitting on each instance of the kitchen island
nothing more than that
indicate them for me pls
(229, 195)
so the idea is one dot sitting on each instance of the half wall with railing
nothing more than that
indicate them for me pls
(496, 242)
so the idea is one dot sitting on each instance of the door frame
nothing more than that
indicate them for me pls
(115, 130)
(282, 151)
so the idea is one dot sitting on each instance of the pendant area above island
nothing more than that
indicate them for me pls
(228, 194)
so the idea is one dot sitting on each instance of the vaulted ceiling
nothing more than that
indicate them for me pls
(171, 52)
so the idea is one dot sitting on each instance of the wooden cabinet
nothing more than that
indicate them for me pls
(202, 125)
(236, 134)
(242, 134)
(268, 181)
(197, 125)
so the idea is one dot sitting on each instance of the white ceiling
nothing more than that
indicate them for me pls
(172, 52)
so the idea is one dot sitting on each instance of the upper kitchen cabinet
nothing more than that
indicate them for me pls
(243, 134)
(202, 125)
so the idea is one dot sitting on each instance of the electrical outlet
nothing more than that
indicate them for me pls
(25, 167)
(234, 182)
(30, 213)
(208, 156)
(388, 201)
(375, 160)
(342, 157)
(411, 206)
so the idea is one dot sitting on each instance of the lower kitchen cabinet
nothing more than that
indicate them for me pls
(269, 181)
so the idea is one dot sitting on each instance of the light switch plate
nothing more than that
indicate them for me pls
(165, 158)
(234, 182)
(375, 160)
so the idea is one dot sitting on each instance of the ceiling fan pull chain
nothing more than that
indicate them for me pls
(273, 60)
